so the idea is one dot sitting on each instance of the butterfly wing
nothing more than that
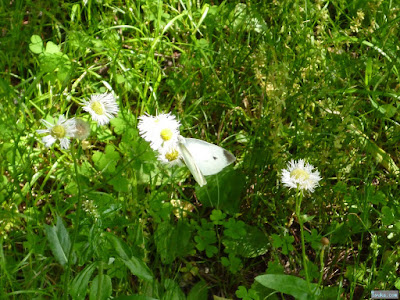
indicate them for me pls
(209, 158)
(191, 163)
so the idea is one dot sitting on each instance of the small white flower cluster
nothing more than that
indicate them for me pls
(162, 132)
(101, 107)
(300, 175)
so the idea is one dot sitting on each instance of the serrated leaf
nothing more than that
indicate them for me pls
(102, 290)
(60, 243)
(291, 285)
(36, 45)
(106, 161)
(80, 283)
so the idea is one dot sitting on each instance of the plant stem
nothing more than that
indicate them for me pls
(77, 218)
(299, 198)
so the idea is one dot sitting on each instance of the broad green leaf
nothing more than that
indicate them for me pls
(79, 285)
(254, 243)
(52, 48)
(135, 265)
(173, 241)
(36, 45)
(291, 285)
(120, 184)
(390, 110)
(138, 268)
(60, 243)
(101, 290)
(172, 291)
(387, 215)
(198, 292)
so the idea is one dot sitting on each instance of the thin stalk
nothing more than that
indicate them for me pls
(299, 199)
(77, 220)
(322, 263)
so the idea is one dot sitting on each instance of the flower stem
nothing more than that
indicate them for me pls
(299, 198)
(77, 220)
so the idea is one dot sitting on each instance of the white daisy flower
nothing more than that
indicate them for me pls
(170, 155)
(102, 108)
(160, 131)
(299, 174)
(62, 130)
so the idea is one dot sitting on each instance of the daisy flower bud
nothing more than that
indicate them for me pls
(160, 131)
(61, 131)
(300, 175)
(82, 129)
(102, 108)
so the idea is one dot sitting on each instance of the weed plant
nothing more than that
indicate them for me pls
(270, 81)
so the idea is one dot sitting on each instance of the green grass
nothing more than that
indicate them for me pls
(270, 81)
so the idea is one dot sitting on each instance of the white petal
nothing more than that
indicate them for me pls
(48, 140)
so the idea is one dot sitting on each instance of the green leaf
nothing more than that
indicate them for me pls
(290, 285)
(245, 294)
(124, 123)
(101, 290)
(120, 184)
(314, 239)
(106, 161)
(217, 217)
(52, 48)
(198, 292)
(173, 241)
(387, 215)
(285, 243)
(205, 240)
(390, 110)
(254, 243)
(275, 267)
(60, 243)
(36, 45)
(234, 229)
(172, 291)
(135, 265)
(139, 268)
(232, 262)
(80, 283)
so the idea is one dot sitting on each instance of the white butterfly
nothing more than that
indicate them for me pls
(203, 158)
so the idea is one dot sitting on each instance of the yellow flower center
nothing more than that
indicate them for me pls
(300, 174)
(97, 107)
(173, 155)
(58, 131)
(166, 134)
